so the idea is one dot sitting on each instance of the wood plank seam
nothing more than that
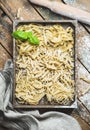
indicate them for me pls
(6, 50)
(83, 105)
(79, 102)
(77, 116)
(6, 25)
(3, 7)
(37, 11)
(85, 28)
(83, 65)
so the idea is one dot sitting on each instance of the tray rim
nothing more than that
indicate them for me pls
(74, 23)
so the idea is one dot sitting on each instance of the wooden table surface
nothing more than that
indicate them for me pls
(24, 10)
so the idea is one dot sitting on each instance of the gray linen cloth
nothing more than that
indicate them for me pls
(28, 120)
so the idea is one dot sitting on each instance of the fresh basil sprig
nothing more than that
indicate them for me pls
(32, 39)
(22, 35)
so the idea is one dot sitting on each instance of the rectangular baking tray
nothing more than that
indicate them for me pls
(64, 23)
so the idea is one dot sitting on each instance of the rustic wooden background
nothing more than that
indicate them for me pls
(24, 10)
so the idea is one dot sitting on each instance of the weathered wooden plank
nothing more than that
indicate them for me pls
(83, 42)
(5, 21)
(82, 86)
(21, 9)
(86, 99)
(1, 12)
(6, 11)
(87, 28)
(82, 89)
(5, 35)
(3, 56)
(82, 123)
(83, 112)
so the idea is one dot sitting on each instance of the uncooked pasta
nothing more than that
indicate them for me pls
(45, 70)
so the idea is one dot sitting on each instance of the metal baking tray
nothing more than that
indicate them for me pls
(64, 23)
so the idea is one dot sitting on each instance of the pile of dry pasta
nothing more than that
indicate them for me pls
(45, 70)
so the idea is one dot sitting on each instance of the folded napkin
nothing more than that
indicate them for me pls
(28, 120)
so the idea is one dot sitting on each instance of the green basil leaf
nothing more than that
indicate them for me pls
(33, 39)
(20, 35)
